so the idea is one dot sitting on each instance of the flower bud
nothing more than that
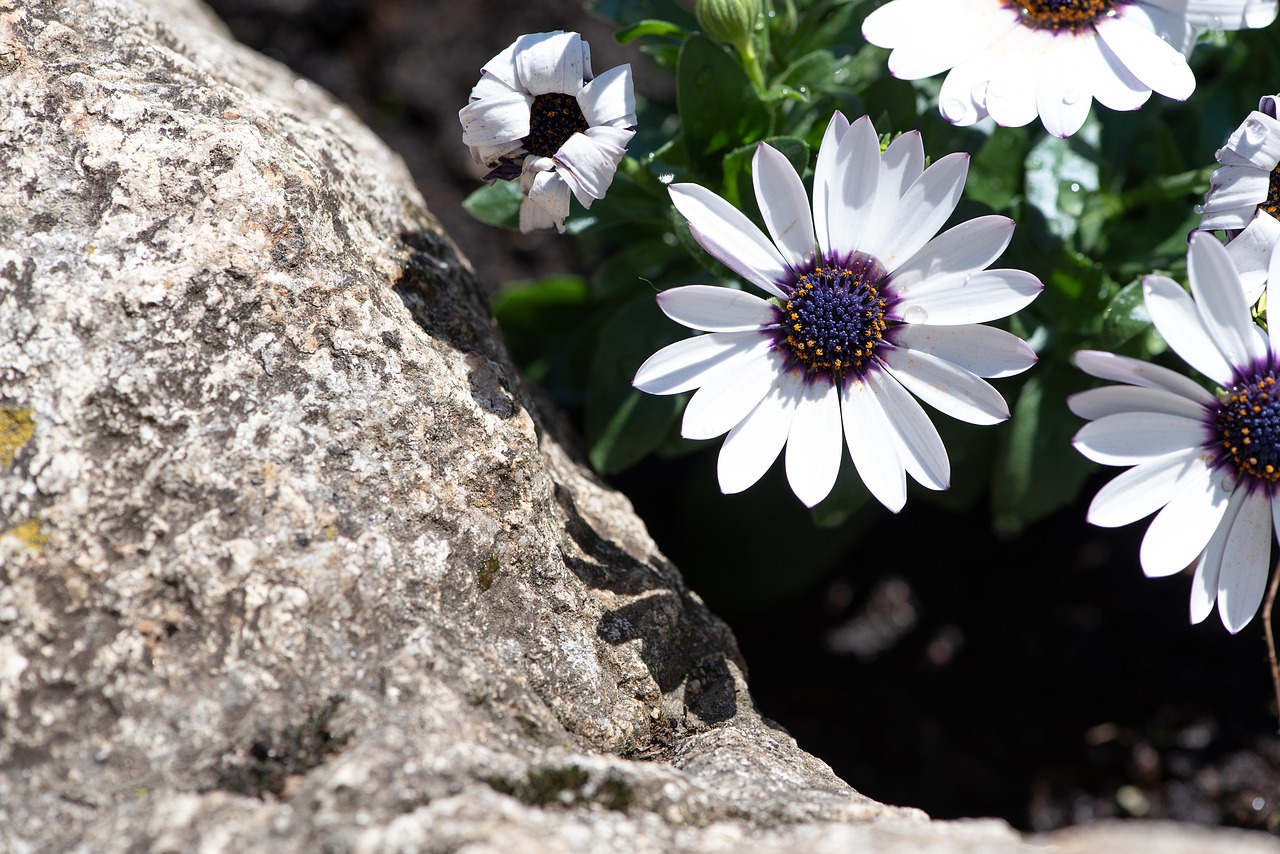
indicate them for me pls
(728, 21)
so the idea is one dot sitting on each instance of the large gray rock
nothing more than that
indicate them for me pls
(289, 559)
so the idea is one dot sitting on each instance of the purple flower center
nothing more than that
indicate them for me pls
(553, 118)
(1059, 15)
(834, 317)
(1248, 427)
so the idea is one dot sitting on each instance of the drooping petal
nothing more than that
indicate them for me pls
(925, 207)
(716, 309)
(1142, 490)
(1150, 58)
(852, 199)
(1204, 586)
(588, 166)
(1175, 316)
(1251, 252)
(1096, 403)
(730, 237)
(730, 392)
(549, 62)
(1236, 188)
(962, 99)
(609, 98)
(496, 120)
(966, 248)
(1163, 19)
(1126, 369)
(813, 446)
(956, 31)
(784, 204)
(1061, 98)
(1016, 63)
(919, 446)
(1256, 143)
(1114, 85)
(1180, 532)
(547, 197)
(984, 350)
(1219, 296)
(872, 448)
(945, 386)
(964, 298)
(1129, 438)
(1242, 580)
(1223, 14)
(686, 365)
(755, 442)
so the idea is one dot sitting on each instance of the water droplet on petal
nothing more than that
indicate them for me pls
(1071, 96)
(915, 314)
(1216, 24)
(1254, 130)
(1228, 482)
(1198, 209)
(953, 109)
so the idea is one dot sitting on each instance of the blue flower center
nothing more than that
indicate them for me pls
(834, 317)
(1249, 427)
(1070, 15)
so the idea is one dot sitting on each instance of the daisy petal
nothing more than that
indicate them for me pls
(853, 199)
(1129, 438)
(901, 165)
(925, 207)
(1062, 103)
(824, 178)
(1242, 580)
(609, 98)
(1219, 296)
(784, 204)
(588, 166)
(1096, 403)
(730, 237)
(963, 298)
(1180, 532)
(1114, 85)
(1252, 252)
(1125, 369)
(957, 30)
(871, 444)
(1141, 490)
(755, 442)
(549, 62)
(919, 446)
(1224, 14)
(1204, 586)
(495, 120)
(728, 395)
(686, 365)
(714, 309)
(1236, 187)
(1150, 58)
(968, 247)
(1175, 316)
(1015, 66)
(944, 386)
(1273, 293)
(1255, 143)
(813, 446)
(984, 350)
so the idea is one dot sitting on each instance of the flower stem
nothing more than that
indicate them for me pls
(1268, 606)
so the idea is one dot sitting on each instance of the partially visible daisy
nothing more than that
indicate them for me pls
(537, 114)
(1018, 59)
(863, 308)
(1244, 196)
(1210, 464)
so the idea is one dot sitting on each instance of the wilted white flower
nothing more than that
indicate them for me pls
(1018, 59)
(864, 308)
(1210, 464)
(539, 115)
(1244, 196)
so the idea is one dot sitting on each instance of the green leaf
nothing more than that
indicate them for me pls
(650, 27)
(496, 204)
(623, 423)
(546, 325)
(1125, 316)
(719, 108)
(1060, 175)
(626, 13)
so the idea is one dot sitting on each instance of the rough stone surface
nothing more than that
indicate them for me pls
(289, 559)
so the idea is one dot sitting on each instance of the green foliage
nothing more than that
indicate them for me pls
(1095, 213)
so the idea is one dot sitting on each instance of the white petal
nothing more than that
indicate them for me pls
(730, 237)
(956, 30)
(546, 198)
(1256, 143)
(685, 365)
(1236, 187)
(495, 120)
(1142, 490)
(945, 386)
(1152, 60)
(813, 446)
(965, 298)
(588, 166)
(1219, 297)
(1096, 403)
(897, 21)
(851, 201)
(1223, 14)
(968, 247)
(1125, 369)
(1161, 18)
(825, 177)
(502, 68)
(784, 204)
(728, 395)
(609, 98)
(1129, 438)
(1062, 100)
(1228, 220)
(984, 350)
(1204, 586)
(715, 309)
(925, 207)
(1015, 66)
(1175, 316)
(962, 100)
(1273, 293)
(901, 165)
(1242, 580)
(1251, 252)
(1180, 532)
(872, 448)
(1114, 85)
(549, 62)
(752, 446)
(919, 446)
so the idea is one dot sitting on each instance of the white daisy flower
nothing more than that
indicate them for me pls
(538, 114)
(1018, 59)
(1210, 464)
(1244, 196)
(865, 308)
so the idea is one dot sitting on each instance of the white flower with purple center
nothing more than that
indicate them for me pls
(539, 115)
(1244, 196)
(1017, 59)
(1209, 463)
(865, 308)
